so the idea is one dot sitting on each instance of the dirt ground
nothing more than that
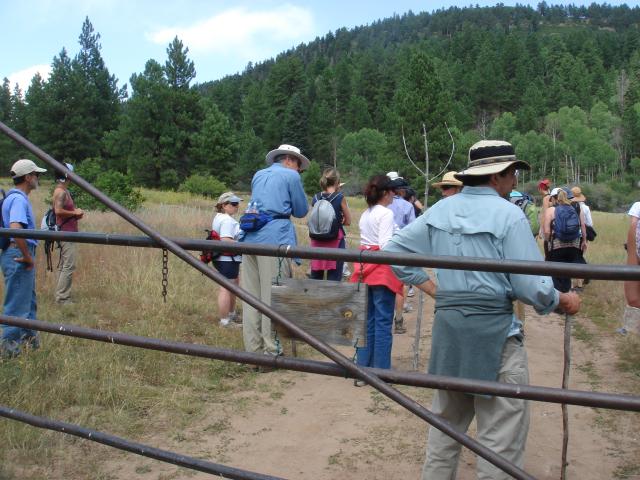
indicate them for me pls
(304, 426)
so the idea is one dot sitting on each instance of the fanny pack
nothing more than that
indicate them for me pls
(254, 221)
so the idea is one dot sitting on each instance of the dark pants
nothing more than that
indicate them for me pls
(336, 274)
(567, 255)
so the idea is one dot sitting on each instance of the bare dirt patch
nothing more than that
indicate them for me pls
(304, 426)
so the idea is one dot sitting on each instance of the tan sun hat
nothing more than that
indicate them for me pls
(448, 179)
(577, 195)
(285, 149)
(229, 197)
(487, 157)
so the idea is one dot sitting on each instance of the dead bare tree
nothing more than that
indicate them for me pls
(425, 172)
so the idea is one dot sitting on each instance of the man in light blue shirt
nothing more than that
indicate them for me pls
(475, 333)
(18, 259)
(276, 190)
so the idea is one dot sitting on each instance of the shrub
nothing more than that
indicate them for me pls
(206, 185)
(311, 179)
(116, 185)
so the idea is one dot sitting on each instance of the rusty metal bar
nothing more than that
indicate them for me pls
(415, 379)
(592, 271)
(368, 377)
(133, 447)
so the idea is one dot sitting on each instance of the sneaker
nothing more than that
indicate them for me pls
(359, 383)
(225, 322)
(410, 292)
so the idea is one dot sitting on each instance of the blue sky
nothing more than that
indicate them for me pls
(222, 36)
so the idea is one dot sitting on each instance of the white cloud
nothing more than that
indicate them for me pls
(239, 31)
(24, 77)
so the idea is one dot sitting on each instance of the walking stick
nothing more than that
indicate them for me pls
(565, 385)
(416, 340)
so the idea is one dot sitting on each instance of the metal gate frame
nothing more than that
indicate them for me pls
(369, 376)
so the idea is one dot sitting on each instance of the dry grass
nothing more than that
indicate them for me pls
(133, 392)
(125, 391)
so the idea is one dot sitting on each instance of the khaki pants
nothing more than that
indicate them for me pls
(503, 423)
(68, 254)
(258, 273)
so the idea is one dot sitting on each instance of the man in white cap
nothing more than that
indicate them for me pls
(449, 185)
(475, 332)
(18, 259)
(276, 191)
(67, 216)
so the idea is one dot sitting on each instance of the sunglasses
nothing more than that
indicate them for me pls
(444, 188)
(233, 204)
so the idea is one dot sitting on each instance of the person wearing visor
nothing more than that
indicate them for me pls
(18, 259)
(67, 216)
(449, 185)
(475, 332)
(228, 229)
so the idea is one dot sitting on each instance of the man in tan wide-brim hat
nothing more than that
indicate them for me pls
(449, 185)
(475, 333)
(578, 196)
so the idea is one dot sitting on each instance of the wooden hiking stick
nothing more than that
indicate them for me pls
(565, 385)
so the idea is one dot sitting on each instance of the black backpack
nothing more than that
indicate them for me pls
(4, 241)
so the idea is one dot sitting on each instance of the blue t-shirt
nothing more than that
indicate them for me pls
(17, 209)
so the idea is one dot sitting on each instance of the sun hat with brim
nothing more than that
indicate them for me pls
(578, 196)
(288, 150)
(449, 180)
(24, 167)
(487, 157)
(228, 197)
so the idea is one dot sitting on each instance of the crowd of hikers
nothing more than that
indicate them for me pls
(478, 317)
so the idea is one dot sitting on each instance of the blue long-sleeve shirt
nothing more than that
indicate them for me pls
(476, 223)
(403, 211)
(278, 191)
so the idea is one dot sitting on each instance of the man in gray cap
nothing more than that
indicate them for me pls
(475, 332)
(277, 194)
(18, 259)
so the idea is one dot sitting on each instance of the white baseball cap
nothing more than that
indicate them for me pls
(24, 167)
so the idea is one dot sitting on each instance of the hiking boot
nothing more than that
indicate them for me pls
(399, 327)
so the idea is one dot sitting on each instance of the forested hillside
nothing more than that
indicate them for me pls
(561, 83)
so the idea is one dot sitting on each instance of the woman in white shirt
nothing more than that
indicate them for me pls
(376, 229)
(228, 265)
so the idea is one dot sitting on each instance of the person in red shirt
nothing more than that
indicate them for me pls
(67, 216)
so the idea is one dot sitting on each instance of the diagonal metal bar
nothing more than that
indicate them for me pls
(592, 271)
(133, 447)
(256, 303)
(414, 379)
